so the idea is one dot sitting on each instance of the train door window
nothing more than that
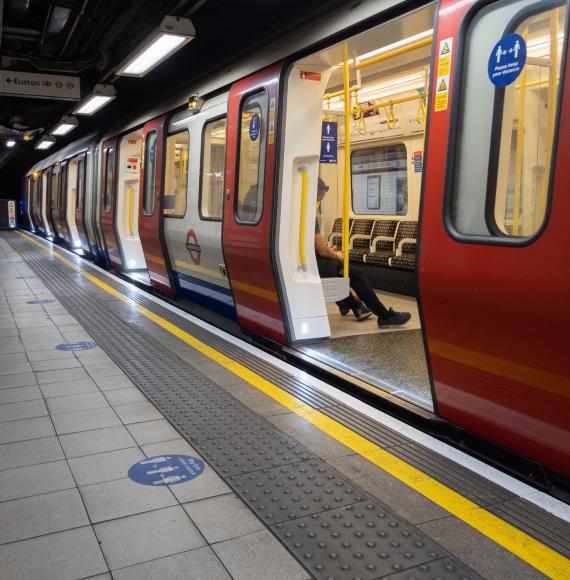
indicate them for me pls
(176, 177)
(380, 180)
(212, 170)
(34, 182)
(62, 186)
(506, 135)
(109, 179)
(251, 156)
(150, 173)
(54, 201)
(80, 189)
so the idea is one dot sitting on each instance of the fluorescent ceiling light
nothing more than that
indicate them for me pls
(387, 89)
(45, 142)
(101, 95)
(172, 34)
(66, 125)
(395, 45)
(10, 143)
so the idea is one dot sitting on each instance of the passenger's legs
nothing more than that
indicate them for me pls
(359, 282)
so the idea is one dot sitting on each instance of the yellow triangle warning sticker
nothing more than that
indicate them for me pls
(442, 86)
(445, 49)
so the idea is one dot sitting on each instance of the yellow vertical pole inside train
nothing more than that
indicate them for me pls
(346, 190)
(519, 150)
(131, 191)
(552, 78)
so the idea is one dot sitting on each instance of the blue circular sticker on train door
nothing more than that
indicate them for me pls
(254, 127)
(507, 60)
(166, 470)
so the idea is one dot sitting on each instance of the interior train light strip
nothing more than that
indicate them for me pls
(522, 545)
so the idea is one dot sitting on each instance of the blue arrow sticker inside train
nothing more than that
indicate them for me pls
(76, 346)
(329, 142)
(507, 60)
(254, 127)
(166, 470)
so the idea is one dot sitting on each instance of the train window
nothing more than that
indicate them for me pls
(213, 166)
(109, 179)
(176, 178)
(251, 158)
(380, 180)
(150, 173)
(62, 186)
(53, 190)
(506, 135)
(80, 189)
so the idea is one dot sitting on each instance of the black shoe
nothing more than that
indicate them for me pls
(362, 312)
(394, 318)
(344, 310)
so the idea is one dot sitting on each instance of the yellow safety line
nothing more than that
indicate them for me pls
(527, 548)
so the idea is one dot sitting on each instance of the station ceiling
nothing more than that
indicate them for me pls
(89, 38)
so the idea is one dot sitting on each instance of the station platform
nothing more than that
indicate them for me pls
(137, 441)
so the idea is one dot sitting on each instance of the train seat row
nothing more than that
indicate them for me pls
(387, 243)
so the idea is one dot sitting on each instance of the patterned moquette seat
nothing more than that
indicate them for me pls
(335, 239)
(363, 247)
(405, 258)
(360, 239)
(382, 244)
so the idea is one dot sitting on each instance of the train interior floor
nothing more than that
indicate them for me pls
(136, 442)
(392, 359)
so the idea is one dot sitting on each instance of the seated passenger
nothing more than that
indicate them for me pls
(330, 264)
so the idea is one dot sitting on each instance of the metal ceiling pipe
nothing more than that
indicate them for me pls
(1, 19)
(27, 32)
(74, 26)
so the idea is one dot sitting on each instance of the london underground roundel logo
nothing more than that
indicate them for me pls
(193, 247)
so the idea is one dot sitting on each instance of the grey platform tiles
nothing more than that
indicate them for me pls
(302, 501)
(333, 527)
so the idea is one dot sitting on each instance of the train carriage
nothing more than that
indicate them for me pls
(440, 133)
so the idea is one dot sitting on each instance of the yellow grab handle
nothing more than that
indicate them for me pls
(131, 191)
(304, 186)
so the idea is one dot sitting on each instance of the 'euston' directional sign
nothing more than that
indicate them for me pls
(41, 86)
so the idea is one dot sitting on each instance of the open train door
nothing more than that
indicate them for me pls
(108, 202)
(151, 218)
(494, 272)
(248, 203)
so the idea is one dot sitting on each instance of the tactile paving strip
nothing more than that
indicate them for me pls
(251, 452)
(358, 540)
(443, 569)
(293, 491)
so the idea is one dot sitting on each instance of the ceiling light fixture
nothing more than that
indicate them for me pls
(172, 34)
(396, 45)
(10, 143)
(66, 125)
(99, 97)
(45, 142)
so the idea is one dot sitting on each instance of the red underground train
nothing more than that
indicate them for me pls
(443, 136)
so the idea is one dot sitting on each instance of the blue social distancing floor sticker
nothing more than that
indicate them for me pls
(166, 470)
(507, 60)
(76, 346)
